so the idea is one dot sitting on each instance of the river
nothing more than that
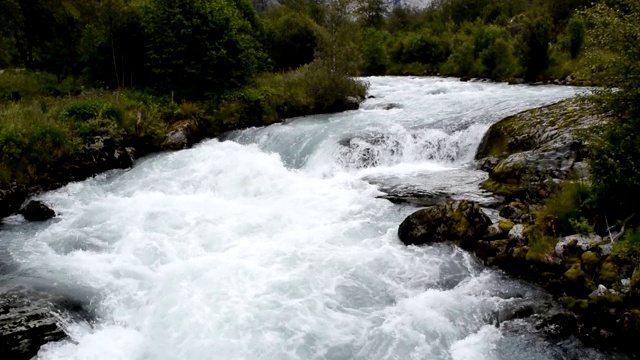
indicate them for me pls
(273, 243)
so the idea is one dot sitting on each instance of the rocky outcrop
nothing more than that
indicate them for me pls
(460, 220)
(526, 156)
(30, 318)
(37, 211)
(524, 152)
(183, 134)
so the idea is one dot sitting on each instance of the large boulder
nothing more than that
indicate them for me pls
(36, 210)
(459, 220)
(523, 152)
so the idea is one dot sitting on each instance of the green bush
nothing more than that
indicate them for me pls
(562, 213)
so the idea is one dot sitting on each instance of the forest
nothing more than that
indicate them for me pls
(129, 69)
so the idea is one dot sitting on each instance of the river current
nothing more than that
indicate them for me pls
(273, 243)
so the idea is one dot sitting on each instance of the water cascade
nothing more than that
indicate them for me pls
(274, 243)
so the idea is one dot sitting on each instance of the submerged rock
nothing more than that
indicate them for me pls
(456, 220)
(36, 210)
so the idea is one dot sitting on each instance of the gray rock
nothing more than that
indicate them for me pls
(183, 135)
(493, 232)
(600, 291)
(36, 210)
(516, 232)
(584, 243)
(457, 220)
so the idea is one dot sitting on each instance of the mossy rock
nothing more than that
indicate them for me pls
(505, 225)
(590, 259)
(576, 305)
(577, 281)
(608, 273)
(458, 220)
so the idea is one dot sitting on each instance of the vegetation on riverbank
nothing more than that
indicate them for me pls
(132, 72)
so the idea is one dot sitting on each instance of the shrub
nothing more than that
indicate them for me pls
(561, 212)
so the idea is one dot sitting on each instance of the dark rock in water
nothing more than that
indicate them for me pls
(465, 78)
(457, 220)
(30, 318)
(37, 211)
(11, 199)
(391, 106)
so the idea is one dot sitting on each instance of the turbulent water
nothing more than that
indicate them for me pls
(273, 244)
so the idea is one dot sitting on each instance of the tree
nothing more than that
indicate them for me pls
(576, 30)
(202, 47)
(113, 44)
(536, 36)
(612, 59)
(291, 37)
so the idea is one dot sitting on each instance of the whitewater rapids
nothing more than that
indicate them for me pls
(273, 244)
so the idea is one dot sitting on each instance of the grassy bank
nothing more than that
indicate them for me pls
(45, 125)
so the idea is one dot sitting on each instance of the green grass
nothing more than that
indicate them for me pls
(38, 133)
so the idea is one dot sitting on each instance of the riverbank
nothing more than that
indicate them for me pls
(536, 161)
(48, 141)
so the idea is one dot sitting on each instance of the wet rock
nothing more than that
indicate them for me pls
(457, 220)
(31, 318)
(391, 106)
(36, 210)
(11, 199)
(559, 324)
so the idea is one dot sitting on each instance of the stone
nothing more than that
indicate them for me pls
(579, 242)
(183, 134)
(493, 232)
(516, 232)
(459, 220)
(524, 152)
(600, 291)
(30, 318)
(36, 210)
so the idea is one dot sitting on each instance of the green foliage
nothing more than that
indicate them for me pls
(374, 52)
(561, 213)
(291, 38)
(540, 246)
(611, 58)
(202, 47)
(536, 36)
(37, 136)
(576, 29)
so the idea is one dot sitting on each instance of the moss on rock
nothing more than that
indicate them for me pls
(505, 225)
(456, 220)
